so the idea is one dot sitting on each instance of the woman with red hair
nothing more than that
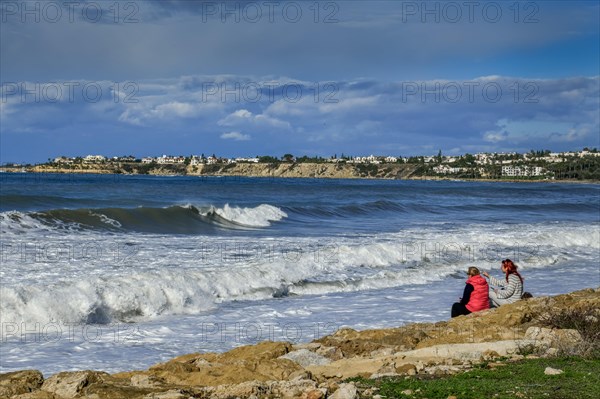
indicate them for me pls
(508, 291)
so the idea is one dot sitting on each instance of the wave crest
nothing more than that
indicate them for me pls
(187, 219)
(260, 216)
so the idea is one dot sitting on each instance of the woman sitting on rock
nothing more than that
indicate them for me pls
(475, 297)
(508, 291)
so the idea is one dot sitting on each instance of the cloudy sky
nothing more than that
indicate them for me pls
(241, 78)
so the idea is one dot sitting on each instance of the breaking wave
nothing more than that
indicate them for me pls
(176, 219)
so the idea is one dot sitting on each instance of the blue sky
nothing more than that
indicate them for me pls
(243, 78)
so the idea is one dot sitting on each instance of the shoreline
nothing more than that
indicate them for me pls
(167, 172)
(320, 368)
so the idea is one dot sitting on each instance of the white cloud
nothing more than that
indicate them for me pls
(571, 135)
(6, 108)
(176, 109)
(495, 137)
(243, 117)
(237, 136)
(236, 118)
(371, 116)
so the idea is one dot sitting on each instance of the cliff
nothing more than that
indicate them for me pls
(310, 170)
(306, 170)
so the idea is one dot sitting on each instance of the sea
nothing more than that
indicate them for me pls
(115, 272)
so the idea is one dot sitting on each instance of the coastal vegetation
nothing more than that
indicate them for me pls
(502, 379)
(505, 377)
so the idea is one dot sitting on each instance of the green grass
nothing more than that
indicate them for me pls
(523, 379)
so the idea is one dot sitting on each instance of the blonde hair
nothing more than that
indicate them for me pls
(473, 271)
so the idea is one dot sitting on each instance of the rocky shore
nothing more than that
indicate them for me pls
(321, 369)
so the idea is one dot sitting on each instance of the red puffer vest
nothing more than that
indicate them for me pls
(480, 298)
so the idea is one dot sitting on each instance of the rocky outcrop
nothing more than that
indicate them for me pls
(20, 382)
(261, 362)
(508, 322)
(317, 370)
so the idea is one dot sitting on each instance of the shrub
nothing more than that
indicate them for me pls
(585, 321)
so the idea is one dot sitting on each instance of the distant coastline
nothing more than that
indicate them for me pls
(273, 170)
(534, 166)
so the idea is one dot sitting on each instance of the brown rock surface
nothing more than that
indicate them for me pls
(19, 382)
(36, 395)
(254, 362)
(70, 384)
(508, 322)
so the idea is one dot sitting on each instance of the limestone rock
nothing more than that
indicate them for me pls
(387, 368)
(70, 384)
(300, 375)
(243, 390)
(311, 346)
(171, 394)
(19, 382)
(345, 391)
(114, 390)
(556, 338)
(144, 380)
(552, 371)
(551, 352)
(314, 394)
(330, 352)
(470, 352)
(408, 369)
(261, 362)
(294, 389)
(382, 352)
(305, 358)
(35, 395)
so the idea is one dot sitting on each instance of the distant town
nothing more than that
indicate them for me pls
(534, 165)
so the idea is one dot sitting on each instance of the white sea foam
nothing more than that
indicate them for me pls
(260, 216)
(14, 222)
(105, 219)
(100, 300)
(187, 276)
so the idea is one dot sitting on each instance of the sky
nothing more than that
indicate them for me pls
(247, 78)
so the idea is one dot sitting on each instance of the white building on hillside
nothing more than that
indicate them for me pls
(63, 160)
(170, 160)
(589, 154)
(445, 169)
(94, 158)
(248, 160)
(521, 171)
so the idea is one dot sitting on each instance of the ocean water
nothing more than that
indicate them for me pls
(121, 272)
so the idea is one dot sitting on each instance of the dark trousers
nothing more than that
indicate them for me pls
(458, 309)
